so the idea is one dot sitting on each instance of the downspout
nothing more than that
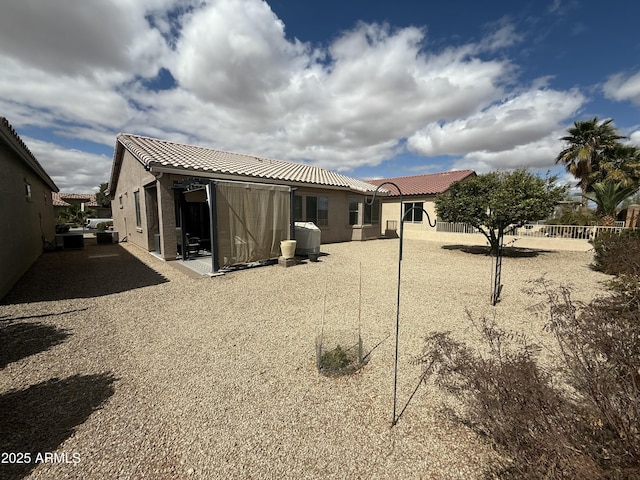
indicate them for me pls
(292, 223)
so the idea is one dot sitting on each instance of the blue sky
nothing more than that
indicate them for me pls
(369, 88)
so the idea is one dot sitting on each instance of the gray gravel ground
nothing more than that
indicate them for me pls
(133, 369)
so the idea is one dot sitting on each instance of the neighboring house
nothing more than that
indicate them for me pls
(418, 191)
(238, 206)
(61, 201)
(26, 211)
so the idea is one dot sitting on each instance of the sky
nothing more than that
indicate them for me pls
(369, 88)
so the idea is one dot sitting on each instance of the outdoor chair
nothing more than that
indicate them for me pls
(193, 245)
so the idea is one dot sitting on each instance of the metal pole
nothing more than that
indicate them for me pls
(395, 367)
(213, 225)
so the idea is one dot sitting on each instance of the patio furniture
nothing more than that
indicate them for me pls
(193, 245)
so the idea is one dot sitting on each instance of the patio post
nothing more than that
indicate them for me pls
(213, 225)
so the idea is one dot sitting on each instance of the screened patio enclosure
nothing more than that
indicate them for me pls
(237, 222)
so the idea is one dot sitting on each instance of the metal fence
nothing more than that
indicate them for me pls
(538, 230)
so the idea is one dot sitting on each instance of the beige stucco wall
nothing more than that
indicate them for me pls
(22, 223)
(391, 211)
(158, 210)
(339, 229)
(133, 177)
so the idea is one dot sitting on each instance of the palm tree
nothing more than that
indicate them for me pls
(620, 164)
(585, 146)
(607, 195)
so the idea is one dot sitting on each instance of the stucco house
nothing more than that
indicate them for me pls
(238, 206)
(62, 200)
(26, 210)
(418, 191)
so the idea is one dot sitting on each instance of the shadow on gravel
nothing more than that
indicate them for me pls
(39, 418)
(19, 340)
(512, 252)
(93, 271)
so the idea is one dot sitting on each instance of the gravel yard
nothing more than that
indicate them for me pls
(134, 369)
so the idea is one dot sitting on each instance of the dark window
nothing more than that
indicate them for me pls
(372, 212)
(414, 216)
(317, 210)
(353, 211)
(297, 209)
(136, 199)
(27, 191)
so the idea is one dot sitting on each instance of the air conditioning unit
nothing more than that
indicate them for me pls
(307, 238)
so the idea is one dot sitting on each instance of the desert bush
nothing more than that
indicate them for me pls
(575, 417)
(617, 253)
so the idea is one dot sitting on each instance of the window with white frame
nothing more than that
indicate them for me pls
(415, 215)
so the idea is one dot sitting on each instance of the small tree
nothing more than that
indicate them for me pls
(496, 202)
(102, 198)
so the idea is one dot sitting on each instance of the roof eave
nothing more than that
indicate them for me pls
(156, 168)
(17, 145)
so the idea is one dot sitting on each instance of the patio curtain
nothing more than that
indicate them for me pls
(252, 219)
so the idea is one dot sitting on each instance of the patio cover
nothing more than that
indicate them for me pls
(252, 219)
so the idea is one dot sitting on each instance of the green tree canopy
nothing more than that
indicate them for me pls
(497, 201)
(102, 198)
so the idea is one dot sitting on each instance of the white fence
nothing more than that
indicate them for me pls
(537, 230)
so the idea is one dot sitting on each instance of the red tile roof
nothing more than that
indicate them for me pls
(60, 199)
(428, 184)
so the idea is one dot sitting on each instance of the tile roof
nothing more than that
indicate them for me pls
(60, 199)
(428, 184)
(10, 137)
(162, 155)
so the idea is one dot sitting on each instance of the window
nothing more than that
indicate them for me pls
(136, 200)
(27, 190)
(317, 210)
(297, 208)
(372, 212)
(353, 211)
(120, 201)
(415, 216)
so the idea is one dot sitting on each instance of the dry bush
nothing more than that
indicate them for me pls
(617, 253)
(576, 420)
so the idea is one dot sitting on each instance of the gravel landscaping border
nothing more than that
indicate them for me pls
(126, 367)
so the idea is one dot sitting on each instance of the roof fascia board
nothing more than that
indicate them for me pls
(154, 168)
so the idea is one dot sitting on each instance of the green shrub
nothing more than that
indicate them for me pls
(102, 226)
(617, 253)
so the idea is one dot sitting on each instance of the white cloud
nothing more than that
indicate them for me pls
(621, 87)
(72, 171)
(634, 138)
(521, 120)
(59, 99)
(243, 86)
(538, 155)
